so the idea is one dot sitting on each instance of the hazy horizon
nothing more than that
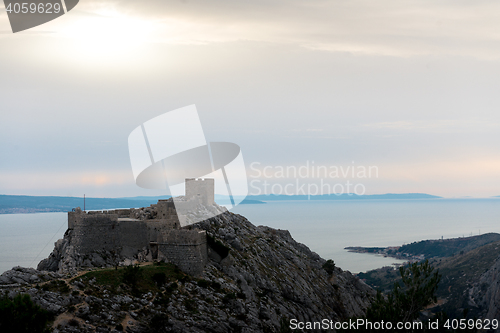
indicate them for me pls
(252, 195)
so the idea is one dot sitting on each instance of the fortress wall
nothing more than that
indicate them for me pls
(96, 232)
(133, 234)
(157, 229)
(187, 206)
(73, 219)
(187, 249)
(122, 212)
(117, 230)
(186, 237)
(165, 209)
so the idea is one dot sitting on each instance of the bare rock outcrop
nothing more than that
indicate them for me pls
(256, 280)
(485, 294)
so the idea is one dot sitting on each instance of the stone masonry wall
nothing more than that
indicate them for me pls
(96, 232)
(134, 236)
(187, 249)
(158, 229)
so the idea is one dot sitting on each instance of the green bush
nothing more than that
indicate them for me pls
(215, 285)
(190, 305)
(131, 275)
(185, 278)
(217, 246)
(158, 324)
(162, 299)
(285, 325)
(173, 286)
(159, 278)
(56, 286)
(203, 283)
(329, 266)
(228, 297)
(21, 315)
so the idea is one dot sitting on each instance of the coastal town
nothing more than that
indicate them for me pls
(390, 251)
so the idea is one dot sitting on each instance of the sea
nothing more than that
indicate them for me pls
(326, 227)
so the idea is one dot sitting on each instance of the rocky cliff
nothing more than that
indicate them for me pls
(257, 279)
(485, 293)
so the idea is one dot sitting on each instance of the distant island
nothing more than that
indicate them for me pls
(22, 204)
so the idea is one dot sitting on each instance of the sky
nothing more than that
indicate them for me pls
(410, 88)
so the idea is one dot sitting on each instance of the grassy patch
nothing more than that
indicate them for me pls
(113, 278)
(382, 279)
(56, 286)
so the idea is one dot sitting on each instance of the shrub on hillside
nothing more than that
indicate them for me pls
(21, 315)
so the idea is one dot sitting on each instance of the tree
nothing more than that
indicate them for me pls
(404, 303)
(22, 315)
(329, 266)
(160, 279)
(131, 275)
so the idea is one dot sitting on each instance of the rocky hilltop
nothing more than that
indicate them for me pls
(485, 293)
(256, 280)
(470, 272)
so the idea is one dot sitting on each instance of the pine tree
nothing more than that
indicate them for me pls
(404, 302)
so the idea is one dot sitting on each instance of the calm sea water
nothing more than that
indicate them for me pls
(325, 226)
(25, 239)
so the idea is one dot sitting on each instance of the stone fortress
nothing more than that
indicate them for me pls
(156, 230)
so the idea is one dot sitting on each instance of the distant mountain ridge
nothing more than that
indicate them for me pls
(220, 199)
(12, 204)
(19, 204)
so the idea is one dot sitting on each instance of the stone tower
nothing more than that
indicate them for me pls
(200, 189)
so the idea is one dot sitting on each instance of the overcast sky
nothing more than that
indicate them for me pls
(410, 87)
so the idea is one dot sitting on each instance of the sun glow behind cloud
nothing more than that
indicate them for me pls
(417, 28)
(110, 37)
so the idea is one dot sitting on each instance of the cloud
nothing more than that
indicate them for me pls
(389, 28)
(379, 82)
(436, 126)
(17, 181)
(360, 27)
(307, 130)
